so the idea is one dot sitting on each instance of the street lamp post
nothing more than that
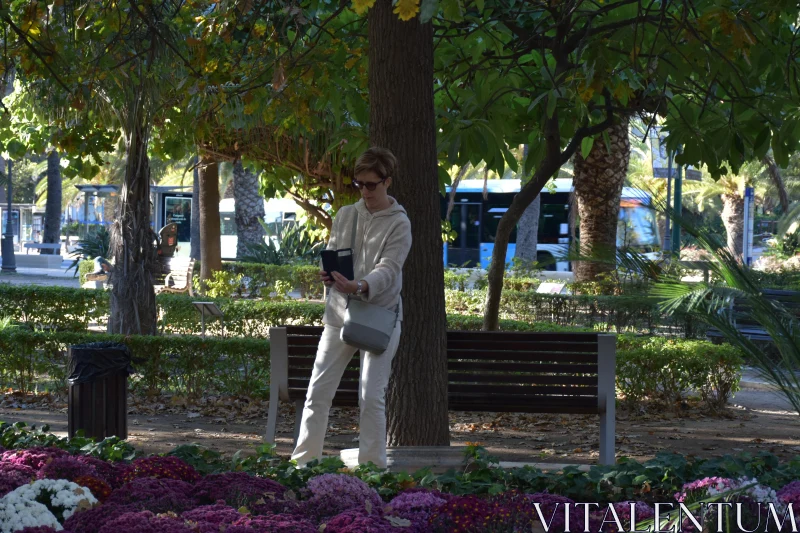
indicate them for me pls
(9, 261)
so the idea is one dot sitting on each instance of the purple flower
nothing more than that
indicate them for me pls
(215, 514)
(359, 521)
(417, 506)
(106, 470)
(790, 494)
(68, 467)
(553, 506)
(161, 468)
(272, 524)
(11, 479)
(26, 471)
(156, 495)
(144, 522)
(33, 457)
(332, 494)
(91, 520)
(623, 510)
(236, 489)
(462, 514)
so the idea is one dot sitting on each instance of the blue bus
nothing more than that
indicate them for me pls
(474, 219)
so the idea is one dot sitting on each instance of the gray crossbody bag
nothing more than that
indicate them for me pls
(367, 326)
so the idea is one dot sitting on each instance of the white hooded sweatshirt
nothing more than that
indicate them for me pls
(383, 240)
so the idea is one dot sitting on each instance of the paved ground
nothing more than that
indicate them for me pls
(51, 277)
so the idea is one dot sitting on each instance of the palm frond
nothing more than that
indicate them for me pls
(739, 295)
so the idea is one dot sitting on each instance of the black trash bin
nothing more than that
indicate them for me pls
(98, 389)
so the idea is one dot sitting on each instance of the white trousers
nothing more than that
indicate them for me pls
(331, 361)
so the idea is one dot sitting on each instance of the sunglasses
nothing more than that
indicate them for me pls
(369, 185)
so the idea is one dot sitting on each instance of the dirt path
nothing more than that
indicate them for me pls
(755, 421)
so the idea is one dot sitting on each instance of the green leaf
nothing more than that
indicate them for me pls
(479, 4)
(16, 150)
(586, 146)
(536, 101)
(427, 10)
(761, 144)
(607, 141)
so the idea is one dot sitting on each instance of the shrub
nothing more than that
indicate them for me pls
(221, 285)
(58, 308)
(85, 267)
(191, 364)
(665, 370)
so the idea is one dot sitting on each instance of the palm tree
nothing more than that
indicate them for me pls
(249, 208)
(598, 181)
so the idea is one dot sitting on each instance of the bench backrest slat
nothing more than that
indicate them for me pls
(487, 371)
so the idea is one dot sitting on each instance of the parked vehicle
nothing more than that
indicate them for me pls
(475, 219)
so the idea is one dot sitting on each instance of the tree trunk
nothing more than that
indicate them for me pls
(777, 180)
(402, 120)
(733, 219)
(210, 247)
(52, 210)
(133, 301)
(195, 227)
(528, 231)
(598, 186)
(249, 207)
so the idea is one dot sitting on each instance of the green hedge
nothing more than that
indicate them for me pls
(259, 280)
(648, 368)
(60, 308)
(667, 370)
(187, 364)
(604, 313)
(67, 309)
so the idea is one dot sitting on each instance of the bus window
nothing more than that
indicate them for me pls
(491, 218)
(638, 228)
(553, 223)
(228, 224)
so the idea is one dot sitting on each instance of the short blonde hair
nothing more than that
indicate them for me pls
(381, 161)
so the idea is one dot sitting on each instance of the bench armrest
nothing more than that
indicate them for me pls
(279, 364)
(607, 396)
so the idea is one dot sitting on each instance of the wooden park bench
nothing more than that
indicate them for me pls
(739, 315)
(488, 371)
(175, 276)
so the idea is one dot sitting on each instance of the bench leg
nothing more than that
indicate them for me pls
(608, 437)
(272, 420)
(298, 418)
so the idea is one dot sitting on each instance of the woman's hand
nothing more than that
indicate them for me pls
(324, 278)
(343, 284)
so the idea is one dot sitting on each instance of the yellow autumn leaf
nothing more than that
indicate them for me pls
(406, 9)
(350, 63)
(361, 6)
(585, 93)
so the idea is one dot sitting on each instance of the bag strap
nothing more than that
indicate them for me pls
(353, 233)
(353, 247)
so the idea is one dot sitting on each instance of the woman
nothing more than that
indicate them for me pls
(382, 242)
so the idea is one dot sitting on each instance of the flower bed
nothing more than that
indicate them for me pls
(195, 490)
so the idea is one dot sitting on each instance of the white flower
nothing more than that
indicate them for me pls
(19, 508)
(16, 515)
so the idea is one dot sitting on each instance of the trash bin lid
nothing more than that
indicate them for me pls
(97, 360)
